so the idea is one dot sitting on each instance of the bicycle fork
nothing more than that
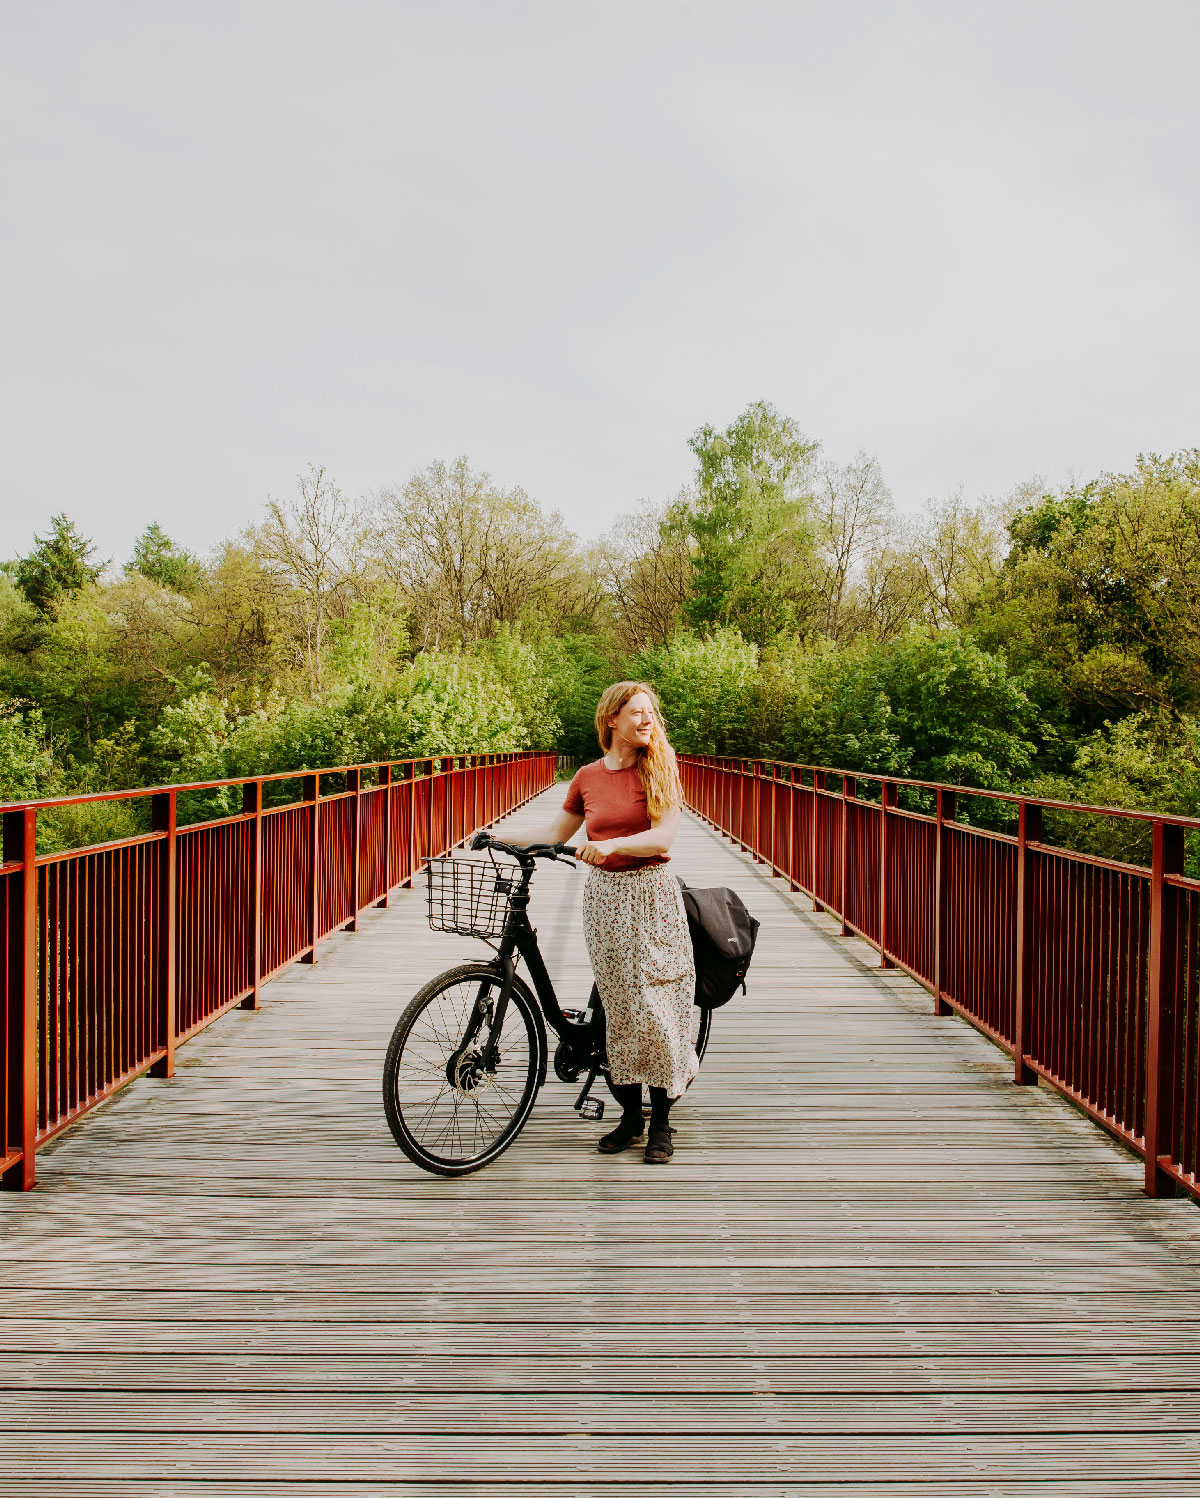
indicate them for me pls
(491, 1051)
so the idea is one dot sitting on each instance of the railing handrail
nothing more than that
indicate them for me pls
(1084, 969)
(128, 793)
(112, 955)
(1015, 798)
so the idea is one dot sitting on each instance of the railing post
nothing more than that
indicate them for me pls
(849, 791)
(20, 844)
(945, 813)
(1029, 830)
(354, 783)
(887, 799)
(818, 779)
(1166, 858)
(412, 823)
(385, 779)
(312, 792)
(252, 804)
(771, 859)
(791, 836)
(163, 815)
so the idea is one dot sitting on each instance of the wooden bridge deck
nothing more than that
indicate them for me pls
(873, 1266)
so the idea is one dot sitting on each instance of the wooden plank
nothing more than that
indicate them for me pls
(795, 1486)
(574, 1460)
(874, 1265)
(193, 1412)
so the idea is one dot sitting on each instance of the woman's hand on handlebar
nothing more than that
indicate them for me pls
(483, 840)
(596, 853)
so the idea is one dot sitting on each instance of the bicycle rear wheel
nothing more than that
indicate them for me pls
(701, 1029)
(449, 1112)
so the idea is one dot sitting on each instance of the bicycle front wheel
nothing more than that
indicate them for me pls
(448, 1110)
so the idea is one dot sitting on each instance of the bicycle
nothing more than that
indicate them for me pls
(470, 1052)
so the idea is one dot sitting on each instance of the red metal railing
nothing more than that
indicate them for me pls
(112, 956)
(1085, 970)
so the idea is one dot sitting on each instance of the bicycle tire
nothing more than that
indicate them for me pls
(432, 1127)
(701, 1030)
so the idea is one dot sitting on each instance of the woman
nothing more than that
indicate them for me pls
(633, 915)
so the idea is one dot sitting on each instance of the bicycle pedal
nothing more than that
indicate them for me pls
(591, 1107)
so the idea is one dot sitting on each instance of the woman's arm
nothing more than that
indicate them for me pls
(655, 842)
(564, 827)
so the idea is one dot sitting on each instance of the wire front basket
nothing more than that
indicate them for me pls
(469, 897)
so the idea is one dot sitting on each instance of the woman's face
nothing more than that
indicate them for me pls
(635, 722)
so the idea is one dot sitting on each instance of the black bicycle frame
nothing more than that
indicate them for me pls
(520, 937)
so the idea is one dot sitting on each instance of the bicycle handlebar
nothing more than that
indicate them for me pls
(522, 851)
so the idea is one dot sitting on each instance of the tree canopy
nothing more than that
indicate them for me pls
(781, 604)
(59, 565)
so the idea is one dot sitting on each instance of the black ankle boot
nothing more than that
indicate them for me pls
(659, 1148)
(629, 1095)
(620, 1138)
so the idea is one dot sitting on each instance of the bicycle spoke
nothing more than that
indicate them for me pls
(441, 1100)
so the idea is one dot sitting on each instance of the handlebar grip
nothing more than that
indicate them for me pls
(480, 840)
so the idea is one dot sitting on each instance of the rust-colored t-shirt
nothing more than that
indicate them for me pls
(612, 804)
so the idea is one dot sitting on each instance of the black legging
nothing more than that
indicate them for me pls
(629, 1095)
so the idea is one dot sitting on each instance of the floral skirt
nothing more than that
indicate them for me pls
(641, 953)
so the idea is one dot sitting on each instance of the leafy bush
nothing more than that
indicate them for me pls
(29, 772)
(27, 767)
(933, 707)
(708, 686)
(1149, 761)
(960, 714)
(576, 672)
(440, 704)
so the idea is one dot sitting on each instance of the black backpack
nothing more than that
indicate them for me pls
(723, 936)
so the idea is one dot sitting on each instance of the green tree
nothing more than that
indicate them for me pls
(157, 557)
(468, 557)
(59, 565)
(752, 525)
(1149, 761)
(27, 767)
(707, 686)
(967, 719)
(579, 670)
(833, 710)
(1100, 594)
(645, 566)
(520, 667)
(932, 707)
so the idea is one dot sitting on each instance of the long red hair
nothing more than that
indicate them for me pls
(656, 762)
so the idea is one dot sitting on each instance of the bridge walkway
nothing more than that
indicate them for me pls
(874, 1266)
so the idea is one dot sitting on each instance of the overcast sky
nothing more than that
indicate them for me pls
(239, 238)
